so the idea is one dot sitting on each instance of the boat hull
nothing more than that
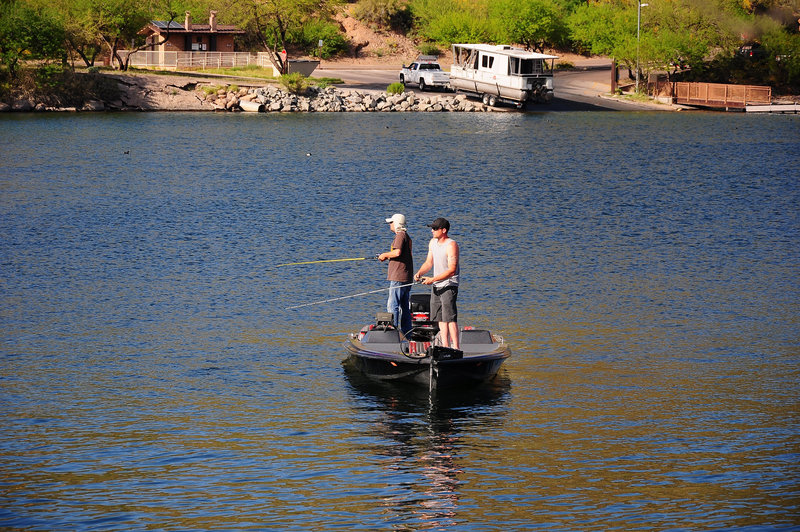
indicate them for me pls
(472, 369)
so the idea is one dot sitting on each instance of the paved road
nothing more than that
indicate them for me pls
(575, 90)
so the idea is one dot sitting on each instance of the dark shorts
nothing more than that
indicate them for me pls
(443, 304)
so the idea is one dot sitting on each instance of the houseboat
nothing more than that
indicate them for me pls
(502, 73)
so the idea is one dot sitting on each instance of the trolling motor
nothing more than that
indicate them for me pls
(384, 321)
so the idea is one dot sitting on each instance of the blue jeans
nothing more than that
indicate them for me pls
(399, 304)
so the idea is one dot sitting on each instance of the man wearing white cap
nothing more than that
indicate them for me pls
(401, 268)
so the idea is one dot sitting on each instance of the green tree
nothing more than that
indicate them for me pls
(454, 21)
(532, 23)
(314, 31)
(783, 59)
(670, 33)
(605, 29)
(115, 24)
(273, 22)
(28, 33)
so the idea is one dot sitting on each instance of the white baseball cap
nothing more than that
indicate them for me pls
(398, 219)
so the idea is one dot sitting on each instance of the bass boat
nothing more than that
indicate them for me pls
(380, 351)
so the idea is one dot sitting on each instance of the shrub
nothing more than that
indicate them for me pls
(394, 14)
(458, 26)
(429, 48)
(396, 88)
(309, 35)
(322, 83)
(295, 83)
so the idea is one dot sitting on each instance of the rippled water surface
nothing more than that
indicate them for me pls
(644, 268)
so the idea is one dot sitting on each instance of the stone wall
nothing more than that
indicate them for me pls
(334, 100)
(158, 93)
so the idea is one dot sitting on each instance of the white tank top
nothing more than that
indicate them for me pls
(439, 252)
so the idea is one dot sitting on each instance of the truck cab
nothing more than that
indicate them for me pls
(425, 72)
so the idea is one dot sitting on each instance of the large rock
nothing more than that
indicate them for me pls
(93, 105)
(22, 105)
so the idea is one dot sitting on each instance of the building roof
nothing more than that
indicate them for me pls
(160, 26)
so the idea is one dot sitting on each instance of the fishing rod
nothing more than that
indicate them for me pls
(347, 297)
(326, 260)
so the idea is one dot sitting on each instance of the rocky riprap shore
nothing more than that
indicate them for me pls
(165, 93)
(334, 100)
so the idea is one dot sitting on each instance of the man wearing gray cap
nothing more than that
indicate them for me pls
(443, 258)
(401, 267)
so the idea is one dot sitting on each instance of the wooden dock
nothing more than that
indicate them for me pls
(774, 108)
(721, 96)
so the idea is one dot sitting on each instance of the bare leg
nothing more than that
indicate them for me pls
(444, 334)
(454, 343)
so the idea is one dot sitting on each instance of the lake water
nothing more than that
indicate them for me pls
(643, 267)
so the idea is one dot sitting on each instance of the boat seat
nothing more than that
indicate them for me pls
(476, 341)
(476, 336)
(381, 336)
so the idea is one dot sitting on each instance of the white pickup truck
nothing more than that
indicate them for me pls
(425, 72)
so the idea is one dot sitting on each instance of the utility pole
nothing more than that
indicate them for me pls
(638, 37)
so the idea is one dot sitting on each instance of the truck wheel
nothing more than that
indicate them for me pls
(402, 79)
(421, 84)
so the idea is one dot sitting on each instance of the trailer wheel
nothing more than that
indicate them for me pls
(485, 99)
(492, 100)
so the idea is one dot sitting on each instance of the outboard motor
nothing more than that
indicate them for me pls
(438, 352)
(421, 309)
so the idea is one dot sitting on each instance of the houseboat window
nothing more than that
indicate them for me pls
(523, 67)
(487, 61)
(466, 58)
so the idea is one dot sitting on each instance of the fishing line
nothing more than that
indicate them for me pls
(347, 297)
(326, 260)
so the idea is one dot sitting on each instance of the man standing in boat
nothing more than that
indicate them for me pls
(443, 257)
(401, 266)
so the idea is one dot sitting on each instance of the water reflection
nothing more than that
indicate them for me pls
(422, 437)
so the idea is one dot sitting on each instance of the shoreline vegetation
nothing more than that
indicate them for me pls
(157, 92)
(95, 90)
(50, 53)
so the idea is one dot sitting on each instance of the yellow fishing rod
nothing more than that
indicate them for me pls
(326, 260)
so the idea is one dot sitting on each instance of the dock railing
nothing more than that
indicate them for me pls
(720, 95)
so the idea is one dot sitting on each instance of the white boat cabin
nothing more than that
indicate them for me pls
(502, 73)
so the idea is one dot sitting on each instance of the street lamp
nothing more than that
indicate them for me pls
(638, 34)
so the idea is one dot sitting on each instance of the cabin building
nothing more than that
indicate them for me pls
(190, 37)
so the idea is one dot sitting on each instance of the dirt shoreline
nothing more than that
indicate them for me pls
(190, 91)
